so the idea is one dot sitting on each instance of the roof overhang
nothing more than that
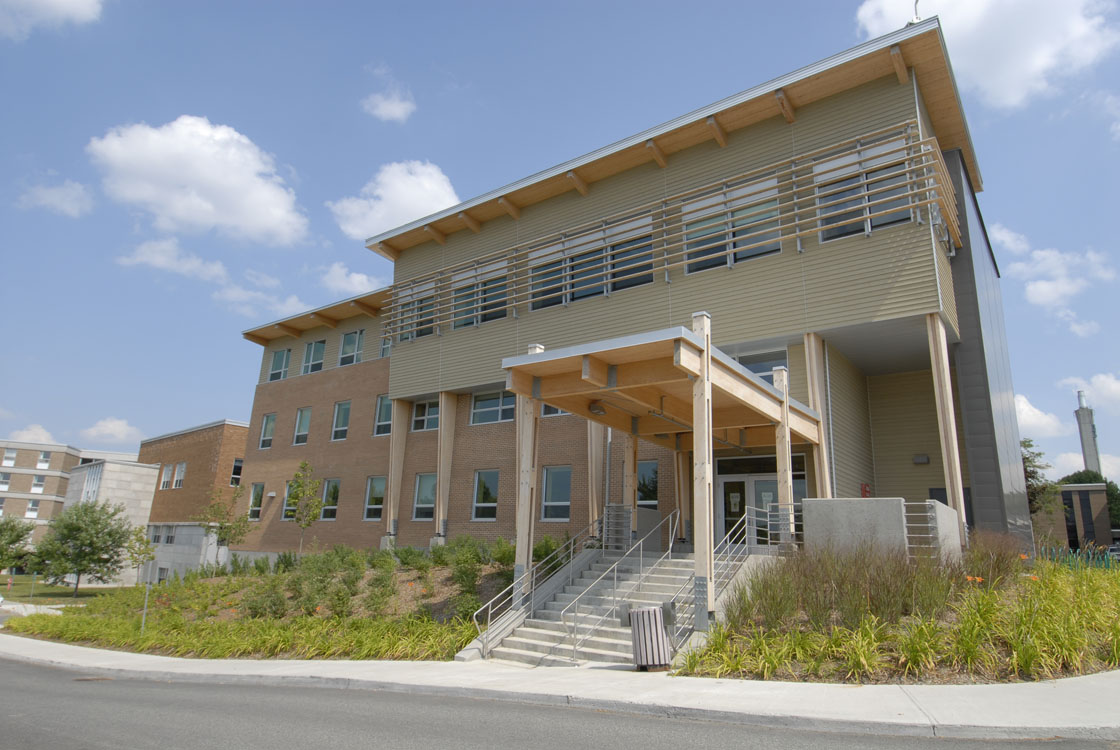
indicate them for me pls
(370, 303)
(642, 385)
(917, 49)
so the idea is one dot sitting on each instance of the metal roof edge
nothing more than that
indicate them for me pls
(207, 426)
(320, 308)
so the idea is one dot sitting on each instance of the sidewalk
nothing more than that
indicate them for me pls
(1080, 707)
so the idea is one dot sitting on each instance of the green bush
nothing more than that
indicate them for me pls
(338, 599)
(995, 558)
(261, 566)
(285, 561)
(466, 605)
(545, 547)
(266, 599)
(440, 554)
(465, 570)
(413, 558)
(503, 553)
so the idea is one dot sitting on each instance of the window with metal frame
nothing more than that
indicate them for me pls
(169, 534)
(180, 475)
(383, 416)
(5, 481)
(281, 359)
(235, 475)
(288, 513)
(38, 483)
(647, 484)
(631, 263)
(386, 347)
(341, 424)
(485, 506)
(256, 501)
(862, 190)
(268, 425)
(424, 501)
(330, 499)
(157, 534)
(375, 498)
(32, 509)
(736, 223)
(763, 364)
(417, 306)
(552, 411)
(1, 507)
(556, 495)
(313, 356)
(425, 416)
(44, 461)
(350, 351)
(303, 426)
(9, 457)
(165, 476)
(498, 406)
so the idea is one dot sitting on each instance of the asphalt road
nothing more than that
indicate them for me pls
(43, 707)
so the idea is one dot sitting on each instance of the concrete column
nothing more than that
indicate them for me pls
(596, 441)
(630, 477)
(682, 464)
(402, 414)
(946, 416)
(814, 371)
(784, 459)
(702, 473)
(527, 415)
(448, 403)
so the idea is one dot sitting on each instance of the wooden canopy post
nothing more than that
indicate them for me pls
(398, 435)
(681, 466)
(596, 440)
(702, 474)
(630, 477)
(447, 403)
(527, 415)
(784, 460)
(946, 417)
(814, 369)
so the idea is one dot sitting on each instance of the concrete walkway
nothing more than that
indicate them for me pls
(1080, 707)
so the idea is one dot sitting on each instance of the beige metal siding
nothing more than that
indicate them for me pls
(945, 283)
(904, 425)
(851, 427)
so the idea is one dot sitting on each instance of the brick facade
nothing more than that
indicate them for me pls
(209, 453)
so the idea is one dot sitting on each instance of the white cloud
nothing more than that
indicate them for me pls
(1008, 51)
(1109, 105)
(1102, 390)
(400, 192)
(19, 17)
(1068, 463)
(166, 256)
(70, 198)
(261, 279)
(253, 303)
(192, 175)
(1035, 423)
(112, 430)
(1013, 242)
(340, 280)
(32, 433)
(395, 105)
(5, 414)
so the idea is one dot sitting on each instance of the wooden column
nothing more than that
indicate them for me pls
(398, 436)
(814, 371)
(596, 441)
(946, 416)
(527, 416)
(682, 463)
(784, 460)
(630, 477)
(447, 414)
(702, 473)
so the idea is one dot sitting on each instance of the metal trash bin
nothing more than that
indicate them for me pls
(648, 637)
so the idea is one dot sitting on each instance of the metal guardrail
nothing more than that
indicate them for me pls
(638, 550)
(921, 528)
(521, 594)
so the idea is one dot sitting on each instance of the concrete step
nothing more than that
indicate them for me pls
(531, 658)
(583, 626)
(555, 655)
(626, 587)
(546, 641)
(596, 603)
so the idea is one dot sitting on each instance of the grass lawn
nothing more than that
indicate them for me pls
(20, 591)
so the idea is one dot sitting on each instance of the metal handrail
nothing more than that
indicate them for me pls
(613, 572)
(506, 600)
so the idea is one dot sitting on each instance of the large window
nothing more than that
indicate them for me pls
(9, 457)
(763, 363)
(44, 461)
(862, 190)
(165, 477)
(731, 225)
(647, 484)
(1, 507)
(32, 509)
(280, 361)
(169, 534)
(5, 481)
(289, 511)
(493, 407)
(375, 498)
(268, 424)
(425, 416)
(386, 347)
(341, 420)
(485, 506)
(418, 305)
(235, 475)
(313, 356)
(479, 295)
(38, 482)
(556, 499)
(350, 353)
(157, 534)
(330, 500)
(552, 411)
(256, 501)
(424, 502)
(631, 263)
(303, 426)
(180, 475)
(383, 416)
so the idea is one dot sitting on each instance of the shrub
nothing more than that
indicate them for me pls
(266, 599)
(285, 561)
(994, 557)
(466, 605)
(239, 565)
(465, 571)
(261, 566)
(545, 547)
(440, 554)
(410, 557)
(503, 553)
(338, 599)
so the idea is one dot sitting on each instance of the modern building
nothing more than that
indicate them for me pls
(827, 223)
(1081, 521)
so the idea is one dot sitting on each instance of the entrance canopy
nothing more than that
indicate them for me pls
(643, 385)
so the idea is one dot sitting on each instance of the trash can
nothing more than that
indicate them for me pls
(648, 637)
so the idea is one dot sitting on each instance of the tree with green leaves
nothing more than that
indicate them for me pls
(221, 519)
(303, 503)
(87, 539)
(1042, 494)
(1112, 492)
(14, 536)
(139, 549)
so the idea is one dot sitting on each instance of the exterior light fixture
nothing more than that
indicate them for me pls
(921, 459)
(597, 408)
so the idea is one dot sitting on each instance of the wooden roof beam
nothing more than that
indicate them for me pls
(259, 340)
(435, 234)
(785, 105)
(657, 154)
(579, 183)
(510, 207)
(717, 131)
(388, 251)
(370, 310)
(288, 330)
(471, 222)
(899, 63)
(328, 322)
(594, 371)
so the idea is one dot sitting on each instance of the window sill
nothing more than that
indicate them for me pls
(375, 520)
(484, 520)
(556, 520)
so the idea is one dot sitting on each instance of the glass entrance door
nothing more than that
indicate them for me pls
(763, 494)
(734, 504)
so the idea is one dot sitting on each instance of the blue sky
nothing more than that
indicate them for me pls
(173, 173)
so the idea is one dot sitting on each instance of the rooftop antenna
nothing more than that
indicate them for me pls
(916, 18)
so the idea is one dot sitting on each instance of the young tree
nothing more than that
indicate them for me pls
(14, 535)
(139, 549)
(1042, 494)
(304, 502)
(87, 539)
(221, 519)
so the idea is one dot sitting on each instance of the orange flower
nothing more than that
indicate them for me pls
(1022, 557)
(1034, 578)
(411, 583)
